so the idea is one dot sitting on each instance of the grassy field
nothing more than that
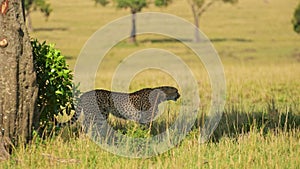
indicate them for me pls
(260, 127)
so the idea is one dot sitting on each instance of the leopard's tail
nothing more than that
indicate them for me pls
(74, 117)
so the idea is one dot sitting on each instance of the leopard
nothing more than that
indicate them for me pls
(140, 106)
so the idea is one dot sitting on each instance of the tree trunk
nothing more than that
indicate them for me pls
(197, 36)
(196, 22)
(18, 89)
(133, 28)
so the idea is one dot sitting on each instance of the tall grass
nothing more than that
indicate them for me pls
(260, 127)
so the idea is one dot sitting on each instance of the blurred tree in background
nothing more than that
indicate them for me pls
(33, 5)
(198, 7)
(134, 6)
(296, 19)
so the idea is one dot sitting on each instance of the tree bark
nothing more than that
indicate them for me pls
(18, 89)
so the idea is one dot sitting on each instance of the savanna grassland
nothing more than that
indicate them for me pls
(260, 127)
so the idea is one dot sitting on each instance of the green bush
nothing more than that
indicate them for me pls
(54, 80)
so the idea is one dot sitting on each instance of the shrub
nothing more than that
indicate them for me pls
(54, 80)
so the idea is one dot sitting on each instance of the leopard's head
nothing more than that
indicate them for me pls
(168, 93)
